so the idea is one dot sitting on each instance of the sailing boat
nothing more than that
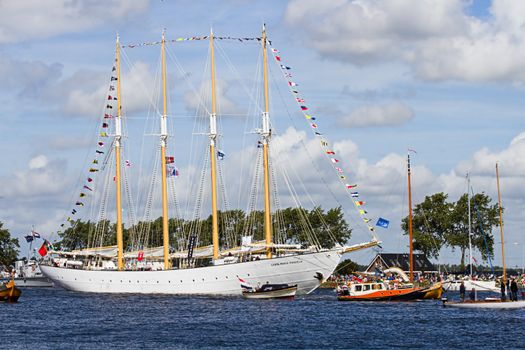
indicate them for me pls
(470, 282)
(268, 262)
(491, 303)
(27, 270)
(380, 291)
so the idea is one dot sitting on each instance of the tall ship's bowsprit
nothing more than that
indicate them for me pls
(260, 251)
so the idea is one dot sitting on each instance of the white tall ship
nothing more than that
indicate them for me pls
(183, 267)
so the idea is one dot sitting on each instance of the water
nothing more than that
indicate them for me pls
(52, 318)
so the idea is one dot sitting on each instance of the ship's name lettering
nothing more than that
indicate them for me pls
(287, 262)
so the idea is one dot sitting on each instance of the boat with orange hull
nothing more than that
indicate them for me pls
(9, 293)
(379, 291)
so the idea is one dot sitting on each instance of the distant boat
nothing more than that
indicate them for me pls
(271, 291)
(28, 274)
(491, 303)
(8, 292)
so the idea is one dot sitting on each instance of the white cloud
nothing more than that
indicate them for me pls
(437, 38)
(31, 19)
(394, 113)
(38, 162)
(28, 78)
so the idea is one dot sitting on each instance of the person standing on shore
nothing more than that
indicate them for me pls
(503, 298)
(514, 290)
(462, 291)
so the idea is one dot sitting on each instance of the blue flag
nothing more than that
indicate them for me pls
(382, 223)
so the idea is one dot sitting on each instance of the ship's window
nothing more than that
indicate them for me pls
(366, 287)
(358, 288)
(376, 286)
(226, 277)
(157, 281)
(193, 280)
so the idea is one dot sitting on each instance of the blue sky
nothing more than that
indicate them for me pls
(442, 77)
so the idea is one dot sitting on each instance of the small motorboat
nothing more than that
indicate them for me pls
(8, 292)
(271, 291)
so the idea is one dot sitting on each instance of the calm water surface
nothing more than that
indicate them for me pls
(53, 318)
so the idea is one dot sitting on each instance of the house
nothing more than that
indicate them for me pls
(401, 260)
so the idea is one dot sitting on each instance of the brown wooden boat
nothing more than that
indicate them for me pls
(8, 292)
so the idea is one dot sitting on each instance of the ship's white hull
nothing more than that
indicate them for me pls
(308, 271)
(33, 282)
(479, 286)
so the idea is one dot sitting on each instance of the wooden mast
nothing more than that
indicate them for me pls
(163, 141)
(213, 159)
(266, 134)
(411, 262)
(501, 228)
(118, 137)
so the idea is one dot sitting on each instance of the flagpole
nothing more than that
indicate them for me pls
(213, 159)
(266, 134)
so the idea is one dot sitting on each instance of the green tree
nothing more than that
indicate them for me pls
(437, 223)
(8, 247)
(458, 234)
(348, 267)
(430, 221)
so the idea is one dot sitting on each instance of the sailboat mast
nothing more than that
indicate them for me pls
(266, 134)
(118, 137)
(411, 262)
(163, 142)
(501, 228)
(213, 159)
(469, 226)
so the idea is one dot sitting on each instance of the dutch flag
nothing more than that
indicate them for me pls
(245, 285)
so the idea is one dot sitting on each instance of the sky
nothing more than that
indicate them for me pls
(442, 77)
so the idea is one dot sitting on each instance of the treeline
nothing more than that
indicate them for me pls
(8, 247)
(290, 225)
(438, 223)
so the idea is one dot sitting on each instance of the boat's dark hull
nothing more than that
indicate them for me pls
(388, 295)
